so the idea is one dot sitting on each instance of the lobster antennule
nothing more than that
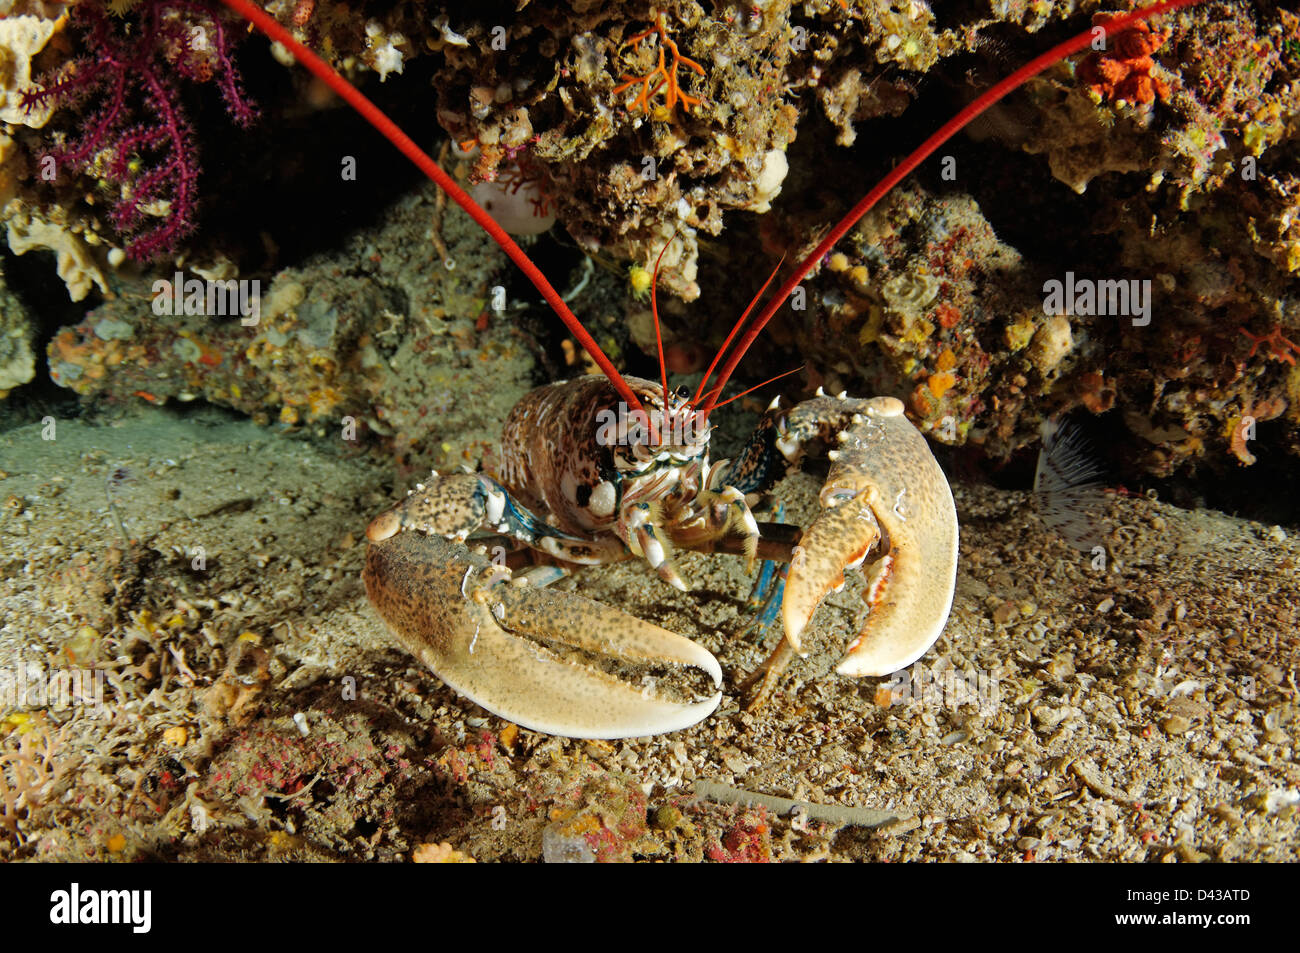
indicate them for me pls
(905, 168)
(390, 131)
(701, 393)
(659, 341)
(750, 390)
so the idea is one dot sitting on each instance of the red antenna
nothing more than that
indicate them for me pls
(390, 131)
(923, 152)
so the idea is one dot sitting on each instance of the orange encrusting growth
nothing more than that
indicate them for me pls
(941, 383)
(667, 76)
(1123, 70)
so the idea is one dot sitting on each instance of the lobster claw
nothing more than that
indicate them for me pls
(885, 492)
(458, 614)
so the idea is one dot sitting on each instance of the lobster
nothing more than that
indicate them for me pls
(605, 468)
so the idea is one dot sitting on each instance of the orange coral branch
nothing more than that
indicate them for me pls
(1278, 346)
(667, 77)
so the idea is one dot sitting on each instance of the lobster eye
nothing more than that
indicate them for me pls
(683, 392)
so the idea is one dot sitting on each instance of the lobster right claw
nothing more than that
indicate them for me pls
(458, 614)
(885, 491)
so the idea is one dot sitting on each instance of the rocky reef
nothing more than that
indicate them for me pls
(17, 358)
(1156, 175)
(388, 352)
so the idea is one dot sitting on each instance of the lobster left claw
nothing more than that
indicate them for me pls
(885, 492)
(476, 629)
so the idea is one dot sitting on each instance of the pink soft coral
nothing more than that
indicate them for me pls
(136, 135)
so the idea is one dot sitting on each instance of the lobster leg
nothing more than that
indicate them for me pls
(459, 506)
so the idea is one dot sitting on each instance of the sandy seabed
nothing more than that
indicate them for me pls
(254, 706)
